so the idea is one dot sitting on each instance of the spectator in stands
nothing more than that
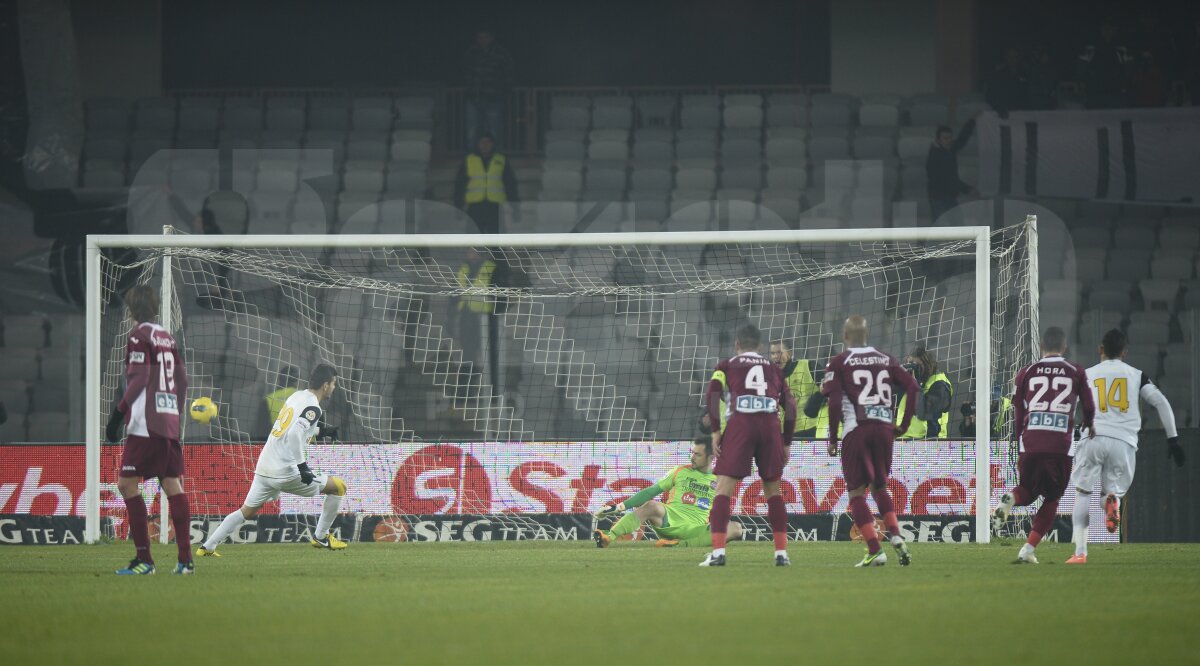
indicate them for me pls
(1009, 87)
(1104, 69)
(1043, 81)
(1149, 85)
(487, 73)
(1150, 36)
(941, 169)
(1191, 75)
(288, 382)
(485, 183)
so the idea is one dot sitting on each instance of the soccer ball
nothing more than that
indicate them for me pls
(203, 410)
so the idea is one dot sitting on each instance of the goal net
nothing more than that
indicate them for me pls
(520, 376)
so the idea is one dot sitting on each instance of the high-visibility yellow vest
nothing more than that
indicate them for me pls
(823, 423)
(720, 376)
(485, 184)
(483, 279)
(802, 385)
(919, 428)
(1001, 414)
(276, 399)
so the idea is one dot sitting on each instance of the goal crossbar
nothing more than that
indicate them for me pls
(980, 235)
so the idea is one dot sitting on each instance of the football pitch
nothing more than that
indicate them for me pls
(542, 603)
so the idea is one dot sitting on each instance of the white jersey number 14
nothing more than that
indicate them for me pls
(1115, 396)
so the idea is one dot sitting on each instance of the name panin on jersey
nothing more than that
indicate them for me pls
(287, 446)
(753, 388)
(156, 382)
(1118, 415)
(1044, 405)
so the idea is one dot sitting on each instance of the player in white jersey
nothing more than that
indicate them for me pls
(1110, 457)
(283, 465)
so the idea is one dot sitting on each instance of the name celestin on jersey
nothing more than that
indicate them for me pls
(869, 360)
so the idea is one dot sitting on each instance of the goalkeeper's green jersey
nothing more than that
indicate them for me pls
(690, 492)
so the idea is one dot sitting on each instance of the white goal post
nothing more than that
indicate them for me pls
(980, 237)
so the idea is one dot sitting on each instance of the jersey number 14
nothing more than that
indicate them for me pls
(1115, 395)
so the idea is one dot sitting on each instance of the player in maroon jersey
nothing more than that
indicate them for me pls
(156, 383)
(858, 384)
(755, 393)
(1043, 422)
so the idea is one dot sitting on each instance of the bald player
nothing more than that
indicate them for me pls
(858, 385)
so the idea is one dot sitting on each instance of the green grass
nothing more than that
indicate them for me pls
(536, 602)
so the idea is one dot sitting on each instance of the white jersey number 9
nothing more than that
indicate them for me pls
(281, 424)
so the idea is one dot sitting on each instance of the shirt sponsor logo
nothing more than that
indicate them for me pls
(166, 403)
(137, 357)
(704, 503)
(688, 498)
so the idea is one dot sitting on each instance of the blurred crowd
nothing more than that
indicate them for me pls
(1141, 64)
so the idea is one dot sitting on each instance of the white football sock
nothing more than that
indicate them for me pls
(329, 511)
(1080, 518)
(781, 552)
(228, 526)
(718, 551)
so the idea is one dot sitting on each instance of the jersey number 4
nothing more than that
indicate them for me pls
(756, 380)
(1115, 395)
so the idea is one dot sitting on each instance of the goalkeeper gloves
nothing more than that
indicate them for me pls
(112, 431)
(306, 474)
(611, 509)
(1175, 451)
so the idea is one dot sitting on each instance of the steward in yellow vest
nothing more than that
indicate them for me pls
(485, 182)
(798, 374)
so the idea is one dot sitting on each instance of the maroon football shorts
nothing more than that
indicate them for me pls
(867, 455)
(747, 437)
(151, 457)
(1044, 474)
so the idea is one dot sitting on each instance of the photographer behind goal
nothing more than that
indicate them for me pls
(931, 419)
(999, 408)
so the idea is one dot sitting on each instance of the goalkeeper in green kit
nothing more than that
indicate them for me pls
(680, 521)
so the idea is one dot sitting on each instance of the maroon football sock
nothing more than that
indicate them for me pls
(1022, 497)
(718, 520)
(777, 515)
(181, 520)
(139, 527)
(887, 509)
(865, 521)
(1043, 520)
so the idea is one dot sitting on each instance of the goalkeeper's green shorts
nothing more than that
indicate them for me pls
(679, 525)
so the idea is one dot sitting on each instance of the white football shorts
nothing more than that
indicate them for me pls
(263, 489)
(1105, 460)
